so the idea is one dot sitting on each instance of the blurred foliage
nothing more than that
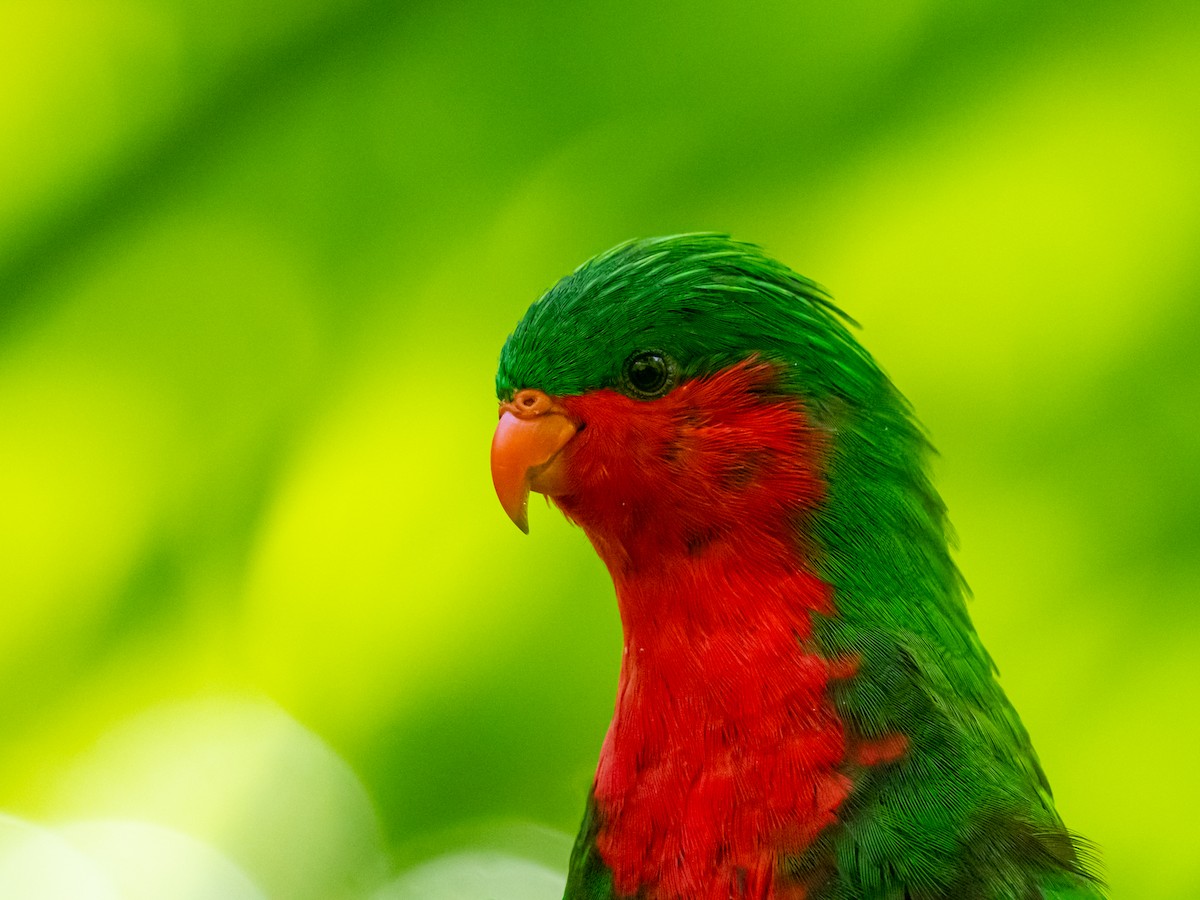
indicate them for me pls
(256, 263)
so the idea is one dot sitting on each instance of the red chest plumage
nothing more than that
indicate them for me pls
(722, 755)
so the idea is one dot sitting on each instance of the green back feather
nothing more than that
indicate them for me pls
(967, 812)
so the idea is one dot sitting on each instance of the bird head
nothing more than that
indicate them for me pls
(676, 391)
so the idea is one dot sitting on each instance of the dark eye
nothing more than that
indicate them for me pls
(649, 375)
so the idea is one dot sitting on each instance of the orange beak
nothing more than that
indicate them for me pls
(525, 451)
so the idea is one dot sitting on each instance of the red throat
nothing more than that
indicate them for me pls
(724, 751)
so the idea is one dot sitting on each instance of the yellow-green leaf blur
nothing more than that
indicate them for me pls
(262, 620)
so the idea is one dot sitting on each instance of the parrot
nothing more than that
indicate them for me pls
(804, 710)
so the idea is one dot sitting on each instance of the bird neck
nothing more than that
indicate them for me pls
(724, 750)
(725, 754)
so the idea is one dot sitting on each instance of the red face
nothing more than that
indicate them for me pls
(717, 464)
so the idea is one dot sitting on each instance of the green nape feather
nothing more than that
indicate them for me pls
(967, 811)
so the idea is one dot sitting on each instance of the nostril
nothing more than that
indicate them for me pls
(530, 402)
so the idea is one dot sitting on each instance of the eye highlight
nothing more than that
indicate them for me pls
(648, 375)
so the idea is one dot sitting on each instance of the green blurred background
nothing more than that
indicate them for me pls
(256, 264)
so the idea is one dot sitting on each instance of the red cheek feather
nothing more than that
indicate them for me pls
(724, 460)
(725, 754)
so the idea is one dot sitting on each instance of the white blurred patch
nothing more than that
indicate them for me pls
(37, 864)
(244, 777)
(150, 862)
(476, 875)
